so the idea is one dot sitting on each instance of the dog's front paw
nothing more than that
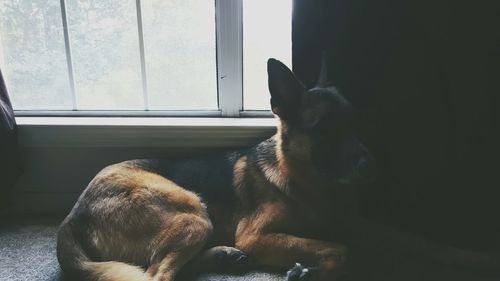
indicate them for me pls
(300, 272)
(230, 256)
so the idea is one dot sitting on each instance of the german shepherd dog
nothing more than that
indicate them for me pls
(278, 203)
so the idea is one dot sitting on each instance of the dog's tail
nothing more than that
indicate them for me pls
(373, 235)
(75, 262)
(114, 271)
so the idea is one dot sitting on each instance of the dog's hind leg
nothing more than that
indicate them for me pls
(181, 240)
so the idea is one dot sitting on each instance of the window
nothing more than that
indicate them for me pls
(135, 57)
(267, 33)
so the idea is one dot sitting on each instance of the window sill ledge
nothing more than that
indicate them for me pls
(142, 131)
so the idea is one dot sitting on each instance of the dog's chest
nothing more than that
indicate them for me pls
(319, 207)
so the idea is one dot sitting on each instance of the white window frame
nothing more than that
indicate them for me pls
(65, 149)
(229, 50)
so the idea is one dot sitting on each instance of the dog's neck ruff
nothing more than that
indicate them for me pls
(276, 177)
(272, 165)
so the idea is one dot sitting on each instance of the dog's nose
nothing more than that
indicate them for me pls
(363, 167)
(366, 169)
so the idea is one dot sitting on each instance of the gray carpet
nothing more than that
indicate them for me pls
(27, 252)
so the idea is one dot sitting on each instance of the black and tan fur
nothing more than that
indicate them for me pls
(278, 203)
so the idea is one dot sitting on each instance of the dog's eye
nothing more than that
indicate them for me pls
(333, 127)
(323, 125)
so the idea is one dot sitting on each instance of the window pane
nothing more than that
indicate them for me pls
(267, 33)
(179, 41)
(32, 54)
(105, 50)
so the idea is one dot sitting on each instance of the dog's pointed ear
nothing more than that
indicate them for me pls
(323, 80)
(323, 73)
(285, 89)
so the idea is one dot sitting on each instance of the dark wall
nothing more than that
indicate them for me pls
(424, 75)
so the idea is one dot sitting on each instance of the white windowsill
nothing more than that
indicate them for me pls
(142, 131)
(146, 121)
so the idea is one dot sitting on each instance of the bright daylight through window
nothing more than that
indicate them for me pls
(137, 55)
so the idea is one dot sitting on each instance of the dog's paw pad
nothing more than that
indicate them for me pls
(299, 272)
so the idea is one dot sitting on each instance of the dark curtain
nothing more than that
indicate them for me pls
(424, 77)
(10, 163)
